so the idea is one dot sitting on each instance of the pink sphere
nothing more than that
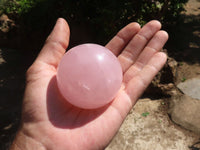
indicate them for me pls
(89, 76)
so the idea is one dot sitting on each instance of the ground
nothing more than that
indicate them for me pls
(148, 125)
(151, 131)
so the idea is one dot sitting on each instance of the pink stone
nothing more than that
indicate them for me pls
(89, 76)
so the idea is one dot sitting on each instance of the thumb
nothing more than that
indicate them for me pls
(56, 44)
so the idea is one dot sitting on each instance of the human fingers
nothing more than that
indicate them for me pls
(137, 44)
(117, 44)
(136, 86)
(130, 92)
(154, 45)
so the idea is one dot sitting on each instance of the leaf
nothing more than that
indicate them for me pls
(183, 79)
(145, 114)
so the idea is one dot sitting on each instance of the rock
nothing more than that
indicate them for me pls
(191, 88)
(163, 83)
(4, 17)
(169, 72)
(153, 131)
(184, 111)
(5, 23)
(172, 63)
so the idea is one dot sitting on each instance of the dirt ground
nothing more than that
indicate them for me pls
(153, 131)
(183, 45)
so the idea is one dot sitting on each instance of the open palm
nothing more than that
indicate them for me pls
(48, 119)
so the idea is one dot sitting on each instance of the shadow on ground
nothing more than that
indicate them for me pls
(12, 72)
(184, 41)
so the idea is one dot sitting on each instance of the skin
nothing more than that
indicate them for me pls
(49, 122)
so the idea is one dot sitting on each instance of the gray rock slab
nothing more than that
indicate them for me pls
(185, 111)
(191, 88)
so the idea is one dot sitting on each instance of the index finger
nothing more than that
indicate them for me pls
(119, 41)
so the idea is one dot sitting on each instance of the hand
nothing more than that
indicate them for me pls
(49, 122)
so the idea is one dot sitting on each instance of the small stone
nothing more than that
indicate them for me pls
(170, 85)
(4, 17)
(8, 127)
(1, 57)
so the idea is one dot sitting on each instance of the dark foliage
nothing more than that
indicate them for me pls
(104, 17)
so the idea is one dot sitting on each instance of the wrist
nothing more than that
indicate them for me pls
(23, 142)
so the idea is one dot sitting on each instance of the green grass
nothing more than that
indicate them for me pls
(145, 114)
(183, 79)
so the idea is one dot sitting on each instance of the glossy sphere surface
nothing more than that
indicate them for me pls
(89, 76)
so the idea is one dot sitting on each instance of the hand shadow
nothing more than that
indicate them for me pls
(64, 115)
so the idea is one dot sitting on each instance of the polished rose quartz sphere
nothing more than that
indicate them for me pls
(89, 76)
